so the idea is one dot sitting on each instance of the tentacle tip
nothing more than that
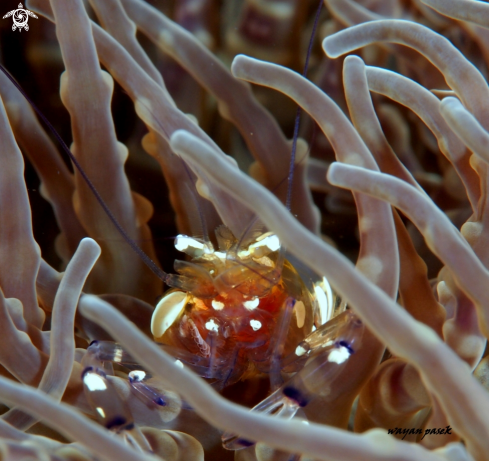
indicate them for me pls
(354, 59)
(328, 48)
(90, 243)
(86, 305)
(332, 172)
(179, 139)
(450, 102)
(238, 61)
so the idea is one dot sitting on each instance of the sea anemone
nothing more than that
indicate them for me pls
(394, 150)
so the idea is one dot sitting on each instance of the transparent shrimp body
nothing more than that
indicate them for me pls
(226, 320)
(322, 356)
(111, 409)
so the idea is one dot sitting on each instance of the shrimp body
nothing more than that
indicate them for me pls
(232, 309)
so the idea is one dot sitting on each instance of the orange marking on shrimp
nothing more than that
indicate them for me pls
(238, 297)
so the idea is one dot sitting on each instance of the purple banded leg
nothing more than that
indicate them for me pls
(109, 351)
(323, 336)
(324, 363)
(102, 354)
(110, 409)
(144, 391)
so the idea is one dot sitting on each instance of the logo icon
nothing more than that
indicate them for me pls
(20, 17)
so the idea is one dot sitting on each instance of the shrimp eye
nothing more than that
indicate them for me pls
(167, 311)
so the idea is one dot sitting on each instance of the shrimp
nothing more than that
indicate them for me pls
(232, 306)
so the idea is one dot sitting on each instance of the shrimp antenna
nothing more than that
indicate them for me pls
(290, 175)
(284, 322)
(145, 258)
(299, 110)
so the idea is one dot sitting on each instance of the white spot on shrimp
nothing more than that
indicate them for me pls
(101, 411)
(94, 382)
(251, 304)
(300, 313)
(167, 311)
(339, 355)
(137, 375)
(211, 325)
(255, 324)
(118, 355)
(322, 303)
(270, 241)
(217, 305)
(300, 351)
(182, 242)
(264, 261)
(324, 300)
(178, 363)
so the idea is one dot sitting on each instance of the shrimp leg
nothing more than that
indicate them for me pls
(326, 350)
(150, 390)
(111, 410)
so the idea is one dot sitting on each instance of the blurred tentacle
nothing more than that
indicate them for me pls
(427, 106)
(20, 255)
(366, 122)
(465, 10)
(462, 76)
(17, 353)
(236, 103)
(394, 397)
(62, 351)
(94, 138)
(56, 180)
(452, 249)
